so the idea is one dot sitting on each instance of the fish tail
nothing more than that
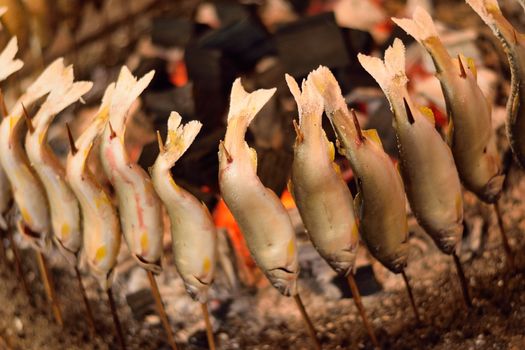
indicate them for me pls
(485, 10)
(43, 84)
(390, 73)
(421, 26)
(244, 105)
(127, 90)
(326, 84)
(8, 63)
(180, 137)
(309, 101)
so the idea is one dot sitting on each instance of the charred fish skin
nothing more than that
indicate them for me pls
(193, 233)
(427, 166)
(514, 46)
(100, 222)
(140, 208)
(320, 192)
(380, 204)
(28, 192)
(64, 207)
(8, 65)
(472, 144)
(260, 214)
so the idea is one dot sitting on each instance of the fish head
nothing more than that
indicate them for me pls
(284, 279)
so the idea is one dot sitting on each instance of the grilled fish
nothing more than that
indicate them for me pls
(471, 141)
(8, 65)
(426, 162)
(28, 191)
(320, 192)
(514, 46)
(260, 214)
(139, 206)
(380, 204)
(64, 208)
(100, 223)
(193, 232)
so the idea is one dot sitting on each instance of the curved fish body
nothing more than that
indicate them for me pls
(28, 192)
(380, 204)
(193, 232)
(8, 65)
(261, 216)
(64, 207)
(140, 208)
(471, 141)
(426, 162)
(100, 223)
(514, 47)
(320, 192)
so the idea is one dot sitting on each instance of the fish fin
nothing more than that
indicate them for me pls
(246, 105)
(372, 135)
(485, 9)
(328, 87)
(420, 26)
(180, 137)
(358, 201)
(8, 63)
(471, 64)
(127, 90)
(390, 73)
(450, 132)
(289, 187)
(427, 113)
(309, 101)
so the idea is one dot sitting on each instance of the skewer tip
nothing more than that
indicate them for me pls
(72, 146)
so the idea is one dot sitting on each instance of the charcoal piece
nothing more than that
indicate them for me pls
(230, 12)
(300, 6)
(162, 103)
(141, 304)
(171, 32)
(161, 79)
(310, 42)
(208, 67)
(357, 41)
(245, 42)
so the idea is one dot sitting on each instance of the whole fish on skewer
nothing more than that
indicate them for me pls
(426, 162)
(514, 46)
(261, 216)
(140, 208)
(28, 192)
(471, 141)
(100, 222)
(193, 233)
(8, 65)
(64, 208)
(320, 192)
(380, 203)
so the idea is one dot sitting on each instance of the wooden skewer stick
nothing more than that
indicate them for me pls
(160, 310)
(49, 287)
(3, 256)
(18, 264)
(308, 322)
(89, 313)
(209, 330)
(411, 296)
(116, 320)
(504, 238)
(356, 295)
(462, 281)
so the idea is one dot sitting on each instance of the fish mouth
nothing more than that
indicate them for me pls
(493, 189)
(150, 266)
(447, 240)
(284, 280)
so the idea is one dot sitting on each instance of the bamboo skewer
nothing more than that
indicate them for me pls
(360, 307)
(3, 256)
(462, 281)
(160, 310)
(89, 313)
(18, 265)
(411, 296)
(116, 320)
(49, 287)
(209, 330)
(307, 321)
(504, 238)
